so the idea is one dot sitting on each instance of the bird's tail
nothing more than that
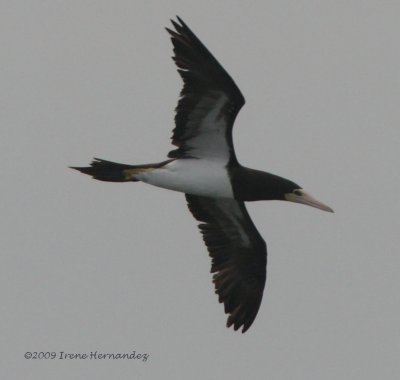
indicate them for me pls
(108, 171)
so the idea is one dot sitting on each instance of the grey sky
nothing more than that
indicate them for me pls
(89, 266)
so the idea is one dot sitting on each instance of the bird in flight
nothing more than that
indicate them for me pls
(204, 167)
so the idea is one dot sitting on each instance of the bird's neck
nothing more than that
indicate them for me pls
(256, 185)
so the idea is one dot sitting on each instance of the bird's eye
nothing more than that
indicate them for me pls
(297, 192)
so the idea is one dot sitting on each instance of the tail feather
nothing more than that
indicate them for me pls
(109, 171)
(105, 170)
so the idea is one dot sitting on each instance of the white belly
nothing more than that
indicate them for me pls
(192, 176)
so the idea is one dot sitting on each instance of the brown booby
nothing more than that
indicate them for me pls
(204, 167)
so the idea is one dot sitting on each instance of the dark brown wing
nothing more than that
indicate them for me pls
(209, 102)
(239, 256)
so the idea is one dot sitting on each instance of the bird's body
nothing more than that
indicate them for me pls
(203, 177)
(204, 167)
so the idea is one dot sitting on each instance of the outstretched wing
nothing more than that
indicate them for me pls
(209, 102)
(239, 256)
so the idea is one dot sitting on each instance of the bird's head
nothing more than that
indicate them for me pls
(278, 188)
(294, 193)
(256, 185)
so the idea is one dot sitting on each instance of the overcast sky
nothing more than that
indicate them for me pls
(89, 266)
